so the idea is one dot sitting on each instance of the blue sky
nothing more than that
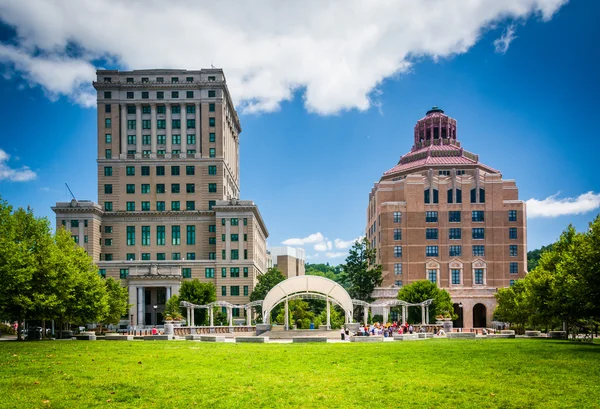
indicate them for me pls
(315, 139)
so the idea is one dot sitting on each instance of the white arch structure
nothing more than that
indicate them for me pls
(307, 286)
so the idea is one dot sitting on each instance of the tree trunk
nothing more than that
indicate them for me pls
(19, 337)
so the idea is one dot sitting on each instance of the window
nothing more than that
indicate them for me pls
(108, 154)
(454, 216)
(245, 237)
(175, 188)
(246, 272)
(455, 272)
(145, 256)
(191, 123)
(478, 233)
(212, 188)
(160, 206)
(74, 223)
(432, 276)
(131, 235)
(190, 188)
(191, 139)
(426, 196)
(235, 237)
(191, 235)
(397, 217)
(145, 235)
(160, 95)
(190, 205)
(175, 123)
(212, 228)
(108, 206)
(397, 251)
(108, 94)
(161, 256)
(160, 188)
(108, 171)
(235, 290)
(223, 272)
(455, 251)
(397, 234)
(108, 189)
(245, 221)
(160, 235)
(512, 233)
(161, 109)
(175, 170)
(245, 290)
(479, 276)
(212, 152)
(211, 137)
(209, 272)
(449, 198)
(235, 254)
(146, 124)
(512, 215)
(175, 205)
(190, 256)
(108, 242)
(102, 272)
(175, 235)
(131, 124)
(213, 240)
(478, 251)
(481, 195)
(146, 109)
(107, 108)
(211, 94)
(458, 196)
(175, 256)
(130, 188)
(211, 203)
(431, 251)
(223, 291)
(145, 188)
(435, 196)
(175, 109)
(130, 206)
(511, 282)
(161, 124)
(145, 206)
(130, 96)
(473, 195)
(211, 107)
(397, 269)
(513, 250)
(145, 95)
(514, 267)
(108, 229)
(189, 94)
(124, 273)
(454, 234)
(431, 234)
(211, 121)
(107, 138)
(477, 216)
(212, 170)
(431, 217)
(186, 272)
(190, 109)
(234, 272)
(75, 239)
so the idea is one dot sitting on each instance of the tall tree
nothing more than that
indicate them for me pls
(265, 283)
(363, 274)
(514, 304)
(118, 301)
(198, 293)
(423, 290)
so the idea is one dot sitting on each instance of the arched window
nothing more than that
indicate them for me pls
(450, 197)
(473, 195)
(427, 198)
(481, 195)
(458, 196)
(436, 198)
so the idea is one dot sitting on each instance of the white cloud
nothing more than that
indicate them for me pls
(501, 44)
(344, 244)
(22, 174)
(336, 52)
(335, 254)
(554, 207)
(310, 239)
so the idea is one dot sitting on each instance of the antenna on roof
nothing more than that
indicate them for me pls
(70, 191)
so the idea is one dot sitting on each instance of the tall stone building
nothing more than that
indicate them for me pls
(442, 215)
(168, 190)
(289, 260)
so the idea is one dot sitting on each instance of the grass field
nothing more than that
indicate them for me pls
(425, 374)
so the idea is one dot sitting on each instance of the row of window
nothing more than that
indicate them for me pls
(454, 216)
(234, 290)
(176, 256)
(212, 152)
(174, 80)
(160, 123)
(160, 139)
(160, 188)
(160, 170)
(456, 251)
(159, 94)
(160, 206)
(477, 233)
(212, 228)
(161, 109)
(453, 196)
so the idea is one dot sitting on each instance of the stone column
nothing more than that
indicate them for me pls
(183, 119)
(138, 128)
(286, 319)
(385, 314)
(328, 314)
(427, 314)
(168, 293)
(187, 314)
(404, 309)
(198, 133)
(230, 313)
(210, 313)
(153, 127)
(140, 305)
(123, 129)
(169, 131)
(366, 313)
(422, 314)
(249, 316)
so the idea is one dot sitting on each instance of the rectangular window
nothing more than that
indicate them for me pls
(145, 256)
(161, 124)
(211, 107)
(107, 122)
(478, 233)
(175, 170)
(160, 235)
(146, 109)
(432, 276)
(175, 188)
(458, 196)
(131, 235)
(108, 171)
(190, 256)
(223, 291)
(209, 272)
(130, 96)
(431, 234)
(160, 206)
(454, 233)
(512, 233)
(146, 124)
(161, 139)
(245, 272)
(108, 206)
(190, 188)
(397, 234)
(211, 137)
(212, 188)
(431, 217)
(245, 221)
(234, 272)
(511, 282)
(212, 228)
(161, 256)
(212, 152)
(212, 93)
(130, 206)
(478, 251)
(454, 216)
(108, 242)
(481, 195)
(131, 124)
(426, 199)
(145, 206)
(108, 154)
(397, 269)
(479, 276)
(477, 216)
(191, 123)
(455, 276)
(124, 273)
(512, 215)
(235, 290)
(449, 199)
(435, 196)
(160, 94)
(190, 205)
(175, 109)
(130, 188)
(191, 235)
(107, 108)
(235, 254)
(145, 95)
(145, 235)
(145, 188)
(108, 189)
(189, 94)
(175, 205)
(473, 195)
(102, 272)
(514, 267)
(223, 272)
(397, 217)
(455, 251)
(431, 251)
(108, 229)
(175, 235)
(160, 188)
(213, 240)
(245, 290)
(211, 121)
(186, 272)
(397, 251)
(211, 203)
(223, 255)
(513, 250)
(175, 256)
(107, 138)
(235, 237)
(245, 237)
(212, 170)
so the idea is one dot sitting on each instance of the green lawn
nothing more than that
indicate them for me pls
(424, 374)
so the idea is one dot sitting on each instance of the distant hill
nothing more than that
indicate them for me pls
(533, 256)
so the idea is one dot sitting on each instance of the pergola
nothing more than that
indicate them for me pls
(210, 307)
(386, 305)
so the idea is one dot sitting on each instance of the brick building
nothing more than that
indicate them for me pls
(442, 215)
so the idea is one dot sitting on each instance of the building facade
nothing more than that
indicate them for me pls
(168, 191)
(289, 260)
(442, 215)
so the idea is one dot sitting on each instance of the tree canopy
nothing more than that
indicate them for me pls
(335, 273)
(423, 290)
(198, 293)
(362, 271)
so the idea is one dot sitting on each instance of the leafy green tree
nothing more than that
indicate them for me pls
(265, 283)
(335, 273)
(118, 302)
(299, 314)
(533, 256)
(198, 293)
(336, 317)
(363, 274)
(514, 304)
(422, 290)
(172, 308)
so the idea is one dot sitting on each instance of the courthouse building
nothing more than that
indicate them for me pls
(169, 205)
(442, 215)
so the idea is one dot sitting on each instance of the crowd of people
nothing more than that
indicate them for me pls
(387, 330)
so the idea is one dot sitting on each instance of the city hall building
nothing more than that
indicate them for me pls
(442, 215)
(169, 205)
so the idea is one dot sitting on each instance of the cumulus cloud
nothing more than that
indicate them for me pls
(312, 238)
(22, 174)
(552, 206)
(345, 244)
(501, 44)
(335, 52)
(335, 254)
